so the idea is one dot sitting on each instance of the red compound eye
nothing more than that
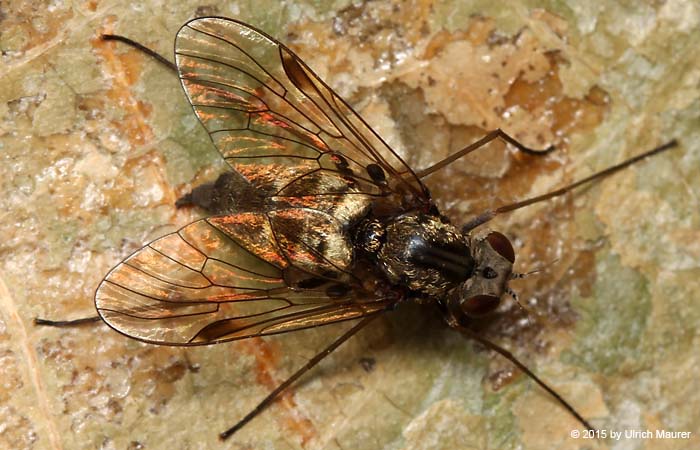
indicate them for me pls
(480, 305)
(502, 245)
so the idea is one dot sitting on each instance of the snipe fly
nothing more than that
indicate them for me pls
(318, 222)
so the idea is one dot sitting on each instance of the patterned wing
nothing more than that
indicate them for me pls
(279, 125)
(232, 277)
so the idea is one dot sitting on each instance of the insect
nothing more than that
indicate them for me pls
(319, 222)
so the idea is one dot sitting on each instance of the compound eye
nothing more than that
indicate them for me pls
(480, 305)
(502, 245)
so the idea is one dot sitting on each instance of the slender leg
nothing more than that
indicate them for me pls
(285, 384)
(509, 356)
(169, 65)
(66, 323)
(495, 134)
(490, 214)
(137, 46)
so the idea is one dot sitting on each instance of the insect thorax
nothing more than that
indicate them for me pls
(418, 251)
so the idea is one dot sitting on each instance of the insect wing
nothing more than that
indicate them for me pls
(203, 285)
(278, 124)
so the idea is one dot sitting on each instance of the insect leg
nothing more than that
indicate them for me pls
(509, 356)
(285, 384)
(140, 47)
(66, 323)
(490, 214)
(495, 134)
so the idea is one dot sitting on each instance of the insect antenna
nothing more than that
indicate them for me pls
(520, 276)
(140, 47)
(272, 396)
(491, 213)
(516, 299)
(510, 357)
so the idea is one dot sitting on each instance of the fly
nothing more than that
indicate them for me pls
(318, 222)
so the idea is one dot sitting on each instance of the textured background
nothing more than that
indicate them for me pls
(97, 141)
